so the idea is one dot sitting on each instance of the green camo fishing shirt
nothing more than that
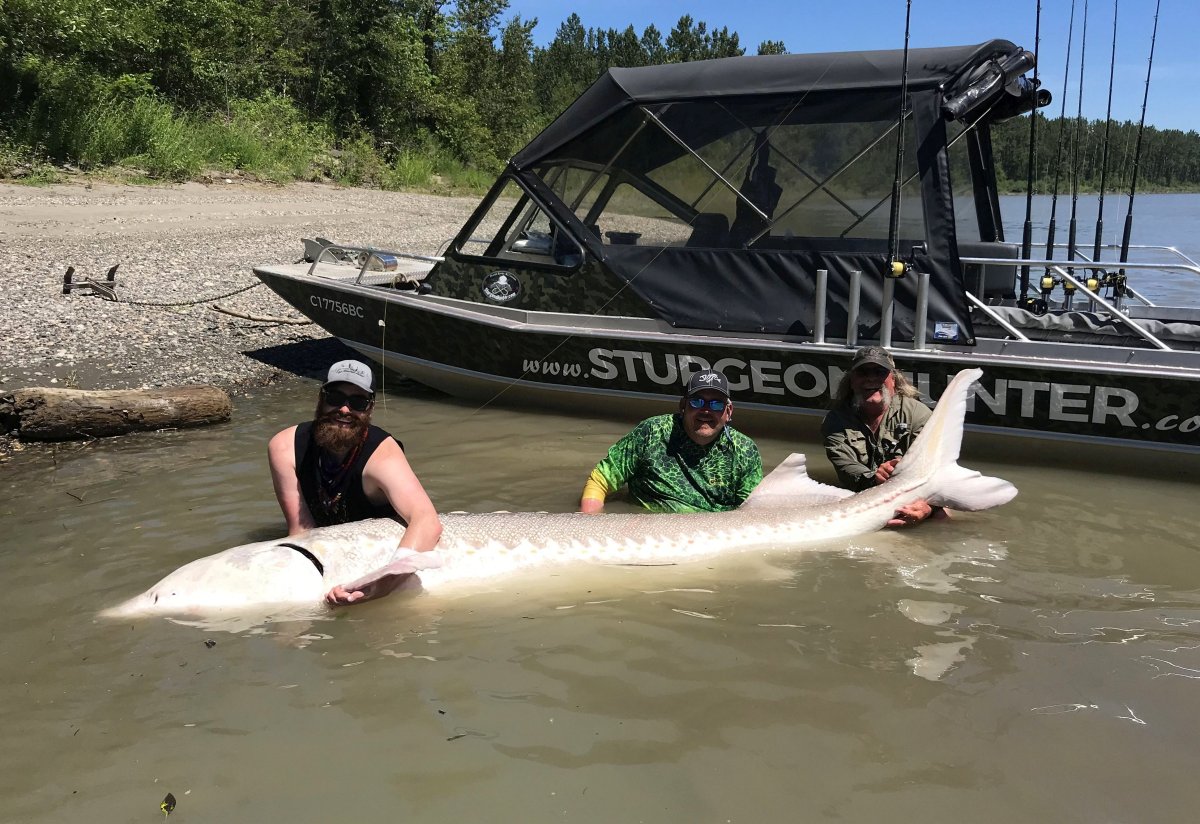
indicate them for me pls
(669, 472)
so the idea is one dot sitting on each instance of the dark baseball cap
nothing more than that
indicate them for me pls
(708, 379)
(873, 354)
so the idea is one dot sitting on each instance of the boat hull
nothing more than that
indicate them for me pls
(1075, 393)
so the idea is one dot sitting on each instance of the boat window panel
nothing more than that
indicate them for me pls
(632, 217)
(743, 173)
(579, 189)
(514, 227)
(781, 168)
(620, 209)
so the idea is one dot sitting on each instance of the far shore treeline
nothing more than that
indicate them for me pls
(386, 93)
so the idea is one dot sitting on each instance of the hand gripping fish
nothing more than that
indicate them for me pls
(788, 510)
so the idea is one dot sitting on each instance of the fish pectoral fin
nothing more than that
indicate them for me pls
(788, 485)
(406, 562)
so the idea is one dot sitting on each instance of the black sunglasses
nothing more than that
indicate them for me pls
(336, 399)
(716, 404)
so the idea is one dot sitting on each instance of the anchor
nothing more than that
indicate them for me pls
(106, 289)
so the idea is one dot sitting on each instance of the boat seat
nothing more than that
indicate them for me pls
(998, 281)
(709, 230)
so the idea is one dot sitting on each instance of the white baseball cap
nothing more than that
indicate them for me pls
(350, 371)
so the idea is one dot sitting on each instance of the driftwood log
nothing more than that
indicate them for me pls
(43, 414)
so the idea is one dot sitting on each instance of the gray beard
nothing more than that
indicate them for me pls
(885, 394)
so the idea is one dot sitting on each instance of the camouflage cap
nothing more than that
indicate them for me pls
(873, 354)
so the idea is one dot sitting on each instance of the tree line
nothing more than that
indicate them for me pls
(1071, 152)
(374, 92)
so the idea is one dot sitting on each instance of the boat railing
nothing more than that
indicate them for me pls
(371, 260)
(1064, 272)
(1061, 270)
(1083, 262)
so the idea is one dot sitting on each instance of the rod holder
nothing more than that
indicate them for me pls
(852, 309)
(819, 302)
(885, 313)
(919, 329)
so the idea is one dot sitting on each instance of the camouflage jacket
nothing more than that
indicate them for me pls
(856, 452)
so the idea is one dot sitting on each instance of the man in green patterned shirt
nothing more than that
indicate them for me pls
(689, 461)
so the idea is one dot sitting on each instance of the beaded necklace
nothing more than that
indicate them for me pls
(331, 476)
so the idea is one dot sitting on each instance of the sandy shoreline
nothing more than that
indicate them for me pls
(190, 244)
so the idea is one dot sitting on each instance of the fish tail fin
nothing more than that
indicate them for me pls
(934, 455)
(960, 488)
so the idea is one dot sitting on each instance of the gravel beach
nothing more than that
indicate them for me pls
(182, 250)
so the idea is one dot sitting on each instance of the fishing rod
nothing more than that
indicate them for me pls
(1112, 66)
(1137, 155)
(1073, 225)
(1062, 134)
(895, 266)
(1027, 231)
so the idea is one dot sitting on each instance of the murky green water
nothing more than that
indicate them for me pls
(1040, 662)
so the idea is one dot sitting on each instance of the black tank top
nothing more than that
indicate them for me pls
(352, 504)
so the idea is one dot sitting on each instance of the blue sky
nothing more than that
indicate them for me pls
(879, 24)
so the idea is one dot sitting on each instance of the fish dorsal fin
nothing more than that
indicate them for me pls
(788, 485)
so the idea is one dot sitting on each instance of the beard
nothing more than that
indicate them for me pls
(333, 436)
(885, 398)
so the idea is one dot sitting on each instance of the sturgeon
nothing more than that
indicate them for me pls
(788, 510)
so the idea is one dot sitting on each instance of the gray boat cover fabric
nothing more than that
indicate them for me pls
(1089, 327)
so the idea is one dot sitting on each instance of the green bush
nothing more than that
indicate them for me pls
(410, 170)
(25, 164)
(145, 132)
(267, 136)
(359, 164)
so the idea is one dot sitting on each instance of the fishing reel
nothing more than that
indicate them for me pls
(1069, 288)
(1036, 306)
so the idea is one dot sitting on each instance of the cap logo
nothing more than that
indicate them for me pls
(351, 371)
(708, 378)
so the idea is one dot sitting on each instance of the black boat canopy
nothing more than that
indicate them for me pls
(787, 74)
(711, 193)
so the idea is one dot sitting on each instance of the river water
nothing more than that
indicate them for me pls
(1038, 662)
(1158, 220)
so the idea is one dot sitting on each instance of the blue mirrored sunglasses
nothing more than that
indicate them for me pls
(716, 404)
(336, 399)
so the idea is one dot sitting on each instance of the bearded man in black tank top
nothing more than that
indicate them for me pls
(339, 468)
